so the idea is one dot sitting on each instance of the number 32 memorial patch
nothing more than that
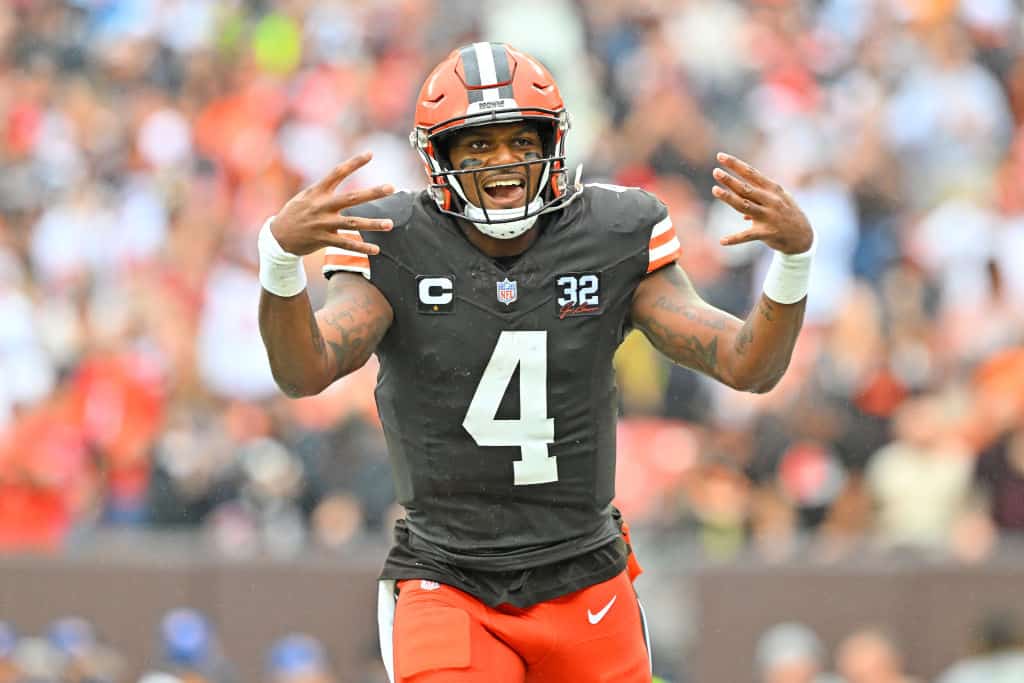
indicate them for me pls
(578, 294)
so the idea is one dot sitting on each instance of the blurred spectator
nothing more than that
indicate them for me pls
(190, 648)
(946, 148)
(774, 525)
(48, 483)
(718, 497)
(870, 656)
(231, 357)
(159, 677)
(8, 641)
(999, 654)
(790, 652)
(38, 661)
(87, 658)
(999, 479)
(920, 482)
(298, 658)
(119, 401)
(194, 469)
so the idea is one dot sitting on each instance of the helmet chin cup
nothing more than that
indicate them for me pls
(502, 225)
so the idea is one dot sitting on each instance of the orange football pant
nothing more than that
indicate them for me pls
(443, 635)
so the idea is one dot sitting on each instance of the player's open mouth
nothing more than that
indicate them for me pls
(506, 192)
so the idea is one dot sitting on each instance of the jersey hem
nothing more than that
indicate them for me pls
(611, 559)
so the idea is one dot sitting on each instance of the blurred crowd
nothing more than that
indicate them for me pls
(897, 126)
(188, 650)
(791, 652)
(73, 650)
(143, 142)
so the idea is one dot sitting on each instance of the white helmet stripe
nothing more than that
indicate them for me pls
(485, 62)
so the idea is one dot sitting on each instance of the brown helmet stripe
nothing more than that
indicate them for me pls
(486, 64)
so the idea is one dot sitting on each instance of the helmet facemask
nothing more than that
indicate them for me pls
(491, 83)
(549, 194)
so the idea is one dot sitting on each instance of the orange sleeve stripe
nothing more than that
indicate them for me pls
(663, 238)
(664, 260)
(347, 260)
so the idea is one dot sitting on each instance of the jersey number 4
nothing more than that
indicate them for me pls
(534, 430)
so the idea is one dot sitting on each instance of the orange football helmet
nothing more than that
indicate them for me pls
(481, 84)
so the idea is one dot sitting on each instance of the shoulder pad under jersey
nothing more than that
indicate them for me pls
(632, 210)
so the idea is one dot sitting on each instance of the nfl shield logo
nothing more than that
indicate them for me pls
(507, 291)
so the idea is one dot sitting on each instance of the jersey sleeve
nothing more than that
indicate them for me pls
(337, 259)
(663, 247)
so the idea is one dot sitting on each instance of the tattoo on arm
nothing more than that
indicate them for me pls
(694, 344)
(345, 350)
(687, 330)
(686, 349)
(689, 312)
(314, 332)
(354, 327)
(744, 338)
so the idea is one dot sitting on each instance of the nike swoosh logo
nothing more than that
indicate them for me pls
(596, 618)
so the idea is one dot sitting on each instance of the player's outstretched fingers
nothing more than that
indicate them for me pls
(743, 188)
(741, 237)
(351, 243)
(342, 171)
(347, 199)
(338, 222)
(741, 204)
(747, 171)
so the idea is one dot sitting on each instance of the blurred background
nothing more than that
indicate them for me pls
(166, 515)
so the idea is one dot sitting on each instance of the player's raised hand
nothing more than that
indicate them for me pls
(776, 218)
(311, 219)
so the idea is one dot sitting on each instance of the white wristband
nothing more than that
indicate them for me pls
(281, 272)
(788, 276)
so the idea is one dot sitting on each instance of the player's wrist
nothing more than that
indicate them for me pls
(789, 275)
(281, 272)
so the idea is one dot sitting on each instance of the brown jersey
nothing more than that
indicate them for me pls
(496, 388)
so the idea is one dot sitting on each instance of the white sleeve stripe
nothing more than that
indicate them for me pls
(664, 250)
(365, 272)
(338, 251)
(661, 227)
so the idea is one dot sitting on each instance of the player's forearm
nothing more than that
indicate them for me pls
(761, 350)
(299, 359)
(749, 355)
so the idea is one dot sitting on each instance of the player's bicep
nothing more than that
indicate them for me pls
(670, 312)
(352, 321)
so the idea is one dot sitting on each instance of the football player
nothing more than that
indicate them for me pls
(495, 300)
